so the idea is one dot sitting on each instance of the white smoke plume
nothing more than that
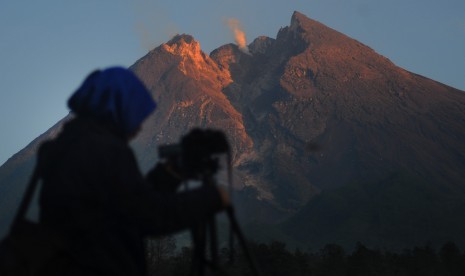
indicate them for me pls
(239, 34)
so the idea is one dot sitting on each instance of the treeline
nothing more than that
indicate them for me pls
(276, 259)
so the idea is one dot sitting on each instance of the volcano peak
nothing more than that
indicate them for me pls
(183, 45)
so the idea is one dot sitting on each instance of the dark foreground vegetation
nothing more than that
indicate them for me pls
(332, 259)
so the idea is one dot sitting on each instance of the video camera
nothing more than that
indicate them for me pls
(196, 154)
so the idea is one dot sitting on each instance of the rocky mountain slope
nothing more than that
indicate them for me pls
(316, 120)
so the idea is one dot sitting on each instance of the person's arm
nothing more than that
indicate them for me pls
(160, 213)
(165, 178)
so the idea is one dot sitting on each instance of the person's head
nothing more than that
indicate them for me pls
(113, 97)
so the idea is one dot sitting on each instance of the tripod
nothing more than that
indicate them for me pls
(205, 235)
(196, 156)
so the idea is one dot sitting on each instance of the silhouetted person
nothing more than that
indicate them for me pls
(93, 190)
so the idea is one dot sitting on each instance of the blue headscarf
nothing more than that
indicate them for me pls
(114, 96)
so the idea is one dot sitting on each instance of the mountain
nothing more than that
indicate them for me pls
(391, 155)
(331, 141)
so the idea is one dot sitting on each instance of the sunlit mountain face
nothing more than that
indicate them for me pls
(331, 142)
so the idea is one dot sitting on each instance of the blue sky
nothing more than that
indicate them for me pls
(47, 47)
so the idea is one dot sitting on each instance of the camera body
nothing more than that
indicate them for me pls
(196, 155)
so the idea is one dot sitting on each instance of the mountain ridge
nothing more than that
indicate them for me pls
(308, 113)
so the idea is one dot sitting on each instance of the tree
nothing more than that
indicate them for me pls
(158, 251)
(332, 260)
(452, 259)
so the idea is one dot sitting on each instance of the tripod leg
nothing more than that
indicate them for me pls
(199, 244)
(242, 241)
(213, 243)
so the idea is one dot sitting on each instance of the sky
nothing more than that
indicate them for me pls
(47, 47)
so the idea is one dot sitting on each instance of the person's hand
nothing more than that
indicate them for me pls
(225, 198)
(164, 178)
(171, 168)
